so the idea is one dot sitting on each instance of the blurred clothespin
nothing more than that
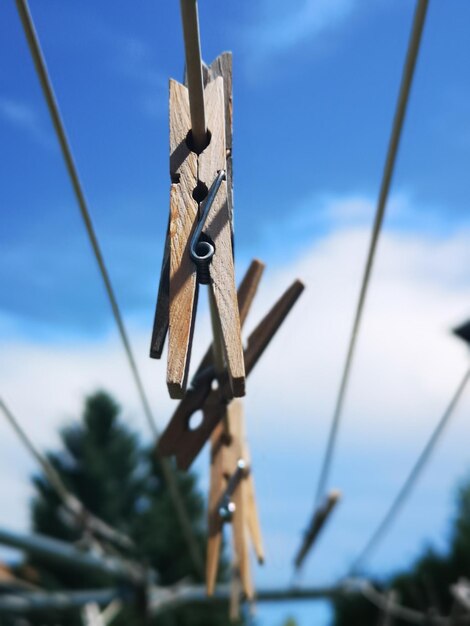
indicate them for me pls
(319, 519)
(232, 499)
(179, 438)
(463, 332)
(198, 246)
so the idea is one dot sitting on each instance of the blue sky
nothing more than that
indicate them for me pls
(315, 85)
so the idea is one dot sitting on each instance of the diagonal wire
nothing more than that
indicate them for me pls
(41, 69)
(70, 501)
(403, 97)
(411, 479)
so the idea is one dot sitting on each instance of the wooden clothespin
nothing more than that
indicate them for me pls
(319, 520)
(232, 499)
(178, 438)
(208, 257)
(198, 247)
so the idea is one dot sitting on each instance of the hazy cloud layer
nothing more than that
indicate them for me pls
(406, 367)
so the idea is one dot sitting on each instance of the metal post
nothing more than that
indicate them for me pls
(161, 599)
(66, 554)
(23, 603)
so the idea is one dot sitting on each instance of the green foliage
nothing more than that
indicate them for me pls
(121, 482)
(426, 586)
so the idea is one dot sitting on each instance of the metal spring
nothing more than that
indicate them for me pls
(204, 253)
(201, 250)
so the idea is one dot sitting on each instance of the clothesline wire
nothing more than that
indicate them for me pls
(397, 128)
(44, 79)
(70, 501)
(411, 479)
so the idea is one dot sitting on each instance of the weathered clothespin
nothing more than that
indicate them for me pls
(198, 247)
(232, 499)
(320, 517)
(179, 438)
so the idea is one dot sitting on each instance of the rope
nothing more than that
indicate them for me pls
(403, 97)
(192, 48)
(41, 69)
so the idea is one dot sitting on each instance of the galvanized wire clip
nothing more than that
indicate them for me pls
(201, 251)
(226, 507)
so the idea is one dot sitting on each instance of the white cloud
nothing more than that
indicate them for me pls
(406, 368)
(280, 26)
(419, 289)
(131, 57)
(24, 117)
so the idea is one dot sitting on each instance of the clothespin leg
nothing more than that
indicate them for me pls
(240, 538)
(218, 230)
(217, 485)
(162, 309)
(183, 218)
(254, 526)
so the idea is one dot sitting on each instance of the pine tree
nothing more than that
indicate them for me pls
(426, 585)
(118, 479)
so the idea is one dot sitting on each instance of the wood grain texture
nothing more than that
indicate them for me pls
(224, 458)
(246, 294)
(183, 218)
(251, 514)
(262, 335)
(240, 539)
(178, 428)
(218, 229)
(251, 509)
(253, 521)
(186, 444)
(240, 497)
(162, 308)
(214, 539)
(222, 66)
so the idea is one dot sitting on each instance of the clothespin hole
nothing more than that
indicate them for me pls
(191, 145)
(204, 250)
(200, 191)
(195, 421)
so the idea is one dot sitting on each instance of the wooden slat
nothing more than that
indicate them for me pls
(245, 294)
(162, 309)
(222, 66)
(239, 520)
(218, 229)
(183, 218)
(261, 337)
(224, 460)
(252, 518)
(214, 540)
(188, 447)
(251, 509)
(194, 399)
